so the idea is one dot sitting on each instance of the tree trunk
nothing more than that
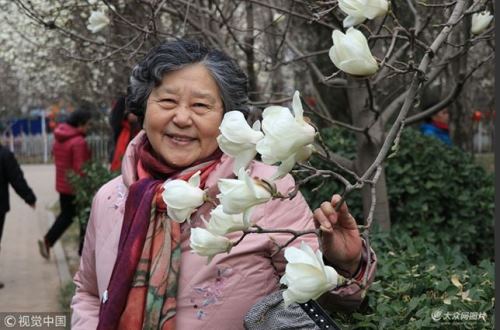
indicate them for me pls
(249, 52)
(367, 150)
(460, 114)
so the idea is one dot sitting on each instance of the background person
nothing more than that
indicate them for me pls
(137, 270)
(437, 125)
(70, 151)
(125, 126)
(11, 173)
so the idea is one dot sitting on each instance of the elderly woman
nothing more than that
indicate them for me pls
(137, 270)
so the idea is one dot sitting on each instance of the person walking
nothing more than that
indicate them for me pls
(11, 173)
(70, 152)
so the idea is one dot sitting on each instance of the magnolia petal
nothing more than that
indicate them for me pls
(179, 215)
(256, 125)
(195, 179)
(304, 153)
(204, 243)
(359, 67)
(357, 42)
(231, 148)
(285, 167)
(351, 7)
(246, 216)
(298, 111)
(350, 21)
(351, 54)
(242, 160)
(180, 194)
(480, 21)
(235, 128)
(295, 255)
(332, 277)
(376, 8)
(222, 223)
(276, 119)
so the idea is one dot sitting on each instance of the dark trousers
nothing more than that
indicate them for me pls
(63, 220)
(2, 221)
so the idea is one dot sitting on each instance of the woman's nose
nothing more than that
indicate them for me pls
(182, 116)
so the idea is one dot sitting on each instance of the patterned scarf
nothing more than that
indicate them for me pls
(143, 286)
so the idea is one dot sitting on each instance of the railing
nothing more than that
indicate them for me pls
(38, 148)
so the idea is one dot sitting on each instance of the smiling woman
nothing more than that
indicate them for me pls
(183, 115)
(138, 269)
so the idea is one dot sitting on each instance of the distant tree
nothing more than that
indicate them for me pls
(89, 46)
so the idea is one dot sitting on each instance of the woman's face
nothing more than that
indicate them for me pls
(183, 115)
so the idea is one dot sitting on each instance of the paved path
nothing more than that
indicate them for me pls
(31, 283)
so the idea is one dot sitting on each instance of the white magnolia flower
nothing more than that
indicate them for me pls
(238, 139)
(97, 21)
(287, 165)
(239, 196)
(351, 54)
(206, 244)
(182, 198)
(480, 21)
(359, 10)
(222, 223)
(284, 134)
(306, 275)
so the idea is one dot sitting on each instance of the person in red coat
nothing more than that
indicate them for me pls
(125, 126)
(70, 152)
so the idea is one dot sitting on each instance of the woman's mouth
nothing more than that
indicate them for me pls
(180, 140)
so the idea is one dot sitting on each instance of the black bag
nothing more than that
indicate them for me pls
(270, 314)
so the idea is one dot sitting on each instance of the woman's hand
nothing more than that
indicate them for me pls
(340, 240)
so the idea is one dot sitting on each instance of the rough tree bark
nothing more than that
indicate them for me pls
(367, 150)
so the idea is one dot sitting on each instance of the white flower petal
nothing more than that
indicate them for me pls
(351, 54)
(204, 243)
(306, 276)
(480, 21)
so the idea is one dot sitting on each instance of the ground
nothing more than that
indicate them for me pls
(32, 284)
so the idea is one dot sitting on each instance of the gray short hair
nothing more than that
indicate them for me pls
(175, 55)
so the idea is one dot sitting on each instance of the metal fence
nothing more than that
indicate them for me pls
(38, 148)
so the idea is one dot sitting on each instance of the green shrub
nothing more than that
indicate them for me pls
(440, 189)
(432, 189)
(441, 207)
(95, 175)
(414, 279)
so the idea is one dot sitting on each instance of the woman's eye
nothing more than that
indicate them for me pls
(167, 101)
(201, 105)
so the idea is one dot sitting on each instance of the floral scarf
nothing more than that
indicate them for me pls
(143, 286)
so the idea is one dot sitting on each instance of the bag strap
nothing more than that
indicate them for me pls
(319, 315)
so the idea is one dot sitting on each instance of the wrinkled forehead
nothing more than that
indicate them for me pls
(196, 93)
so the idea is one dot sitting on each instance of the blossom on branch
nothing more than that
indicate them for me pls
(351, 54)
(206, 244)
(182, 198)
(97, 21)
(287, 137)
(222, 223)
(238, 139)
(480, 22)
(306, 275)
(359, 10)
(239, 196)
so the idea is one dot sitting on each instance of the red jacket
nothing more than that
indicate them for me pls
(70, 152)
